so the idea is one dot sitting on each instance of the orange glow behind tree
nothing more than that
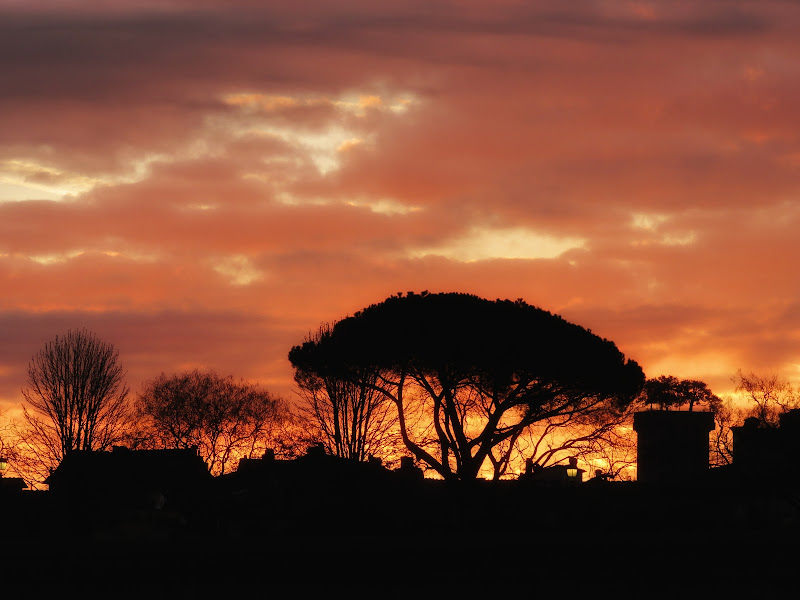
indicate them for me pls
(479, 373)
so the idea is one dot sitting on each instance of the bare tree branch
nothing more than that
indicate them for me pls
(78, 399)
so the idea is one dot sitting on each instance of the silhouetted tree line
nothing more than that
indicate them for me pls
(467, 387)
(77, 400)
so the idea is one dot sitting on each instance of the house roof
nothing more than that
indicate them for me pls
(12, 484)
(124, 468)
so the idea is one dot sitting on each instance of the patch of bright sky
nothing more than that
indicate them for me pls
(362, 103)
(793, 373)
(291, 200)
(669, 239)
(652, 223)
(679, 239)
(17, 192)
(514, 242)
(201, 207)
(22, 180)
(357, 104)
(238, 269)
(62, 257)
(27, 179)
(52, 259)
(693, 366)
(385, 206)
(324, 147)
(649, 222)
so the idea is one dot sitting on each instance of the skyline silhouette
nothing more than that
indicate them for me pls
(322, 525)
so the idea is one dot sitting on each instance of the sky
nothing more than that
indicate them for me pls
(202, 183)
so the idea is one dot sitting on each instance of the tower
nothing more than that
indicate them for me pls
(672, 446)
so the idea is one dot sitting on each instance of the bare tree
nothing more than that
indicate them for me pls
(225, 419)
(78, 399)
(765, 396)
(348, 414)
(602, 436)
(770, 394)
(9, 444)
(726, 416)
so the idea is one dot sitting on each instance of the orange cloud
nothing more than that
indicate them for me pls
(203, 183)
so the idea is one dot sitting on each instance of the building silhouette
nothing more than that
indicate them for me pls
(672, 446)
(767, 452)
(131, 477)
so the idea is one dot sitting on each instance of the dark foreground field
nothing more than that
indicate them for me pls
(619, 541)
(398, 567)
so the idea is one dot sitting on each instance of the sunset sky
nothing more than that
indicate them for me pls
(203, 182)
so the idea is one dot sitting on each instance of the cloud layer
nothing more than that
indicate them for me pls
(203, 183)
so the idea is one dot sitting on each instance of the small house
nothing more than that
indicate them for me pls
(130, 476)
(568, 474)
